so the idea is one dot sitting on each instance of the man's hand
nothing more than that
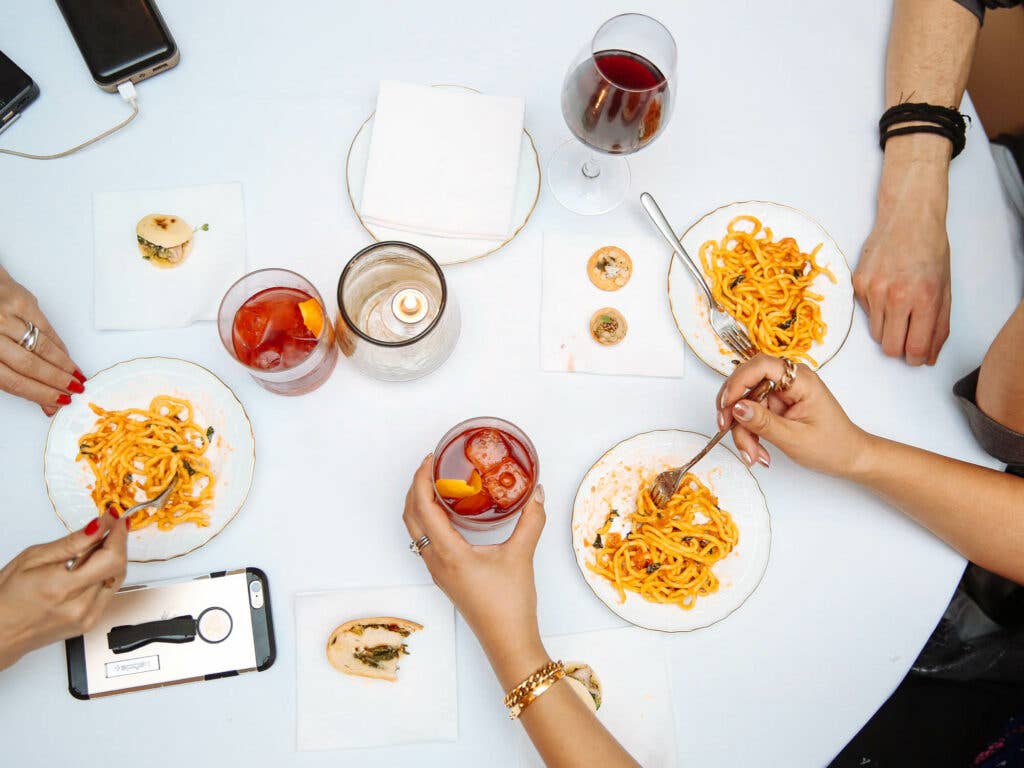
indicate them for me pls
(902, 278)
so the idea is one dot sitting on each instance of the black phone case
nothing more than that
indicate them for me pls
(263, 639)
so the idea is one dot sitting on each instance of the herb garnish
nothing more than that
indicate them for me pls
(792, 319)
(652, 567)
(188, 468)
(598, 544)
(736, 281)
(209, 434)
(174, 449)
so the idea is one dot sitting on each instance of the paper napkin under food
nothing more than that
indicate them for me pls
(652, 346)
(131, 294)
(339, 711)
(443, 161)
(637, 706)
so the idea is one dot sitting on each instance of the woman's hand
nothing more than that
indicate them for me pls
(492, 586)
(42, 602)
(805, 421)
(46, 375)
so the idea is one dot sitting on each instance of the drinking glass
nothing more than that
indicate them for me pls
(263, 326)
(451, 460)
(616, 99)
(397, 320)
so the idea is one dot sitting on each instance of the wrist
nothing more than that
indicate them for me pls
(515, 657)
(926, 150)
(864, 458)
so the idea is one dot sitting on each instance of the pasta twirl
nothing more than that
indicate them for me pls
(765, 284)
(135, 453)
(667, 554)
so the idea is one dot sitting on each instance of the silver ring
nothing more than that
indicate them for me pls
(31, 337)
(419, 544)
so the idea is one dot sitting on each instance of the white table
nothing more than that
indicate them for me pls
(775, 103)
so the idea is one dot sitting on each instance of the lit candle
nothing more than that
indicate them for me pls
(409, 305)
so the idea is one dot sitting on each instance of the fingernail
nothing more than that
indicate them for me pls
(64, 400)
(76, 386)
(721, 420)
(721, 400)
(746, 458)
(538, 494)
(764, 459)
(743, 411)
(92, 527)
(78, 375)
(114, 512)
(128, 523)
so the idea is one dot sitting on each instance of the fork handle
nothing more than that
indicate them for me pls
(757, 394)
(661, 222)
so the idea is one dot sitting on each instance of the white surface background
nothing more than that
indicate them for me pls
(777, 101)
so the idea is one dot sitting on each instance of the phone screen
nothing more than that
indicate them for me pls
(13, 82)
(117, 37)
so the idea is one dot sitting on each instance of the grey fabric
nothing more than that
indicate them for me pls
(997, 441)
(977, 7)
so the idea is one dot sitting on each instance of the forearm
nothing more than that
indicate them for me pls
(977, 511)
(564, 731)
(931, 46)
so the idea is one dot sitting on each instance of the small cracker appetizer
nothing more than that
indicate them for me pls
(370, 647)
(608, 327)
(610, 268)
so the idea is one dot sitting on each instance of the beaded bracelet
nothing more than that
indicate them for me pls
(528, 691)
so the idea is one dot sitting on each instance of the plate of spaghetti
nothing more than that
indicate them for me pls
(682, 567)
(141, 424)
(774, 269)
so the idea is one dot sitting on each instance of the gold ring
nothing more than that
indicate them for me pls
(788, 375)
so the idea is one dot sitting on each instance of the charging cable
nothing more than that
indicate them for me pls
(127, 91)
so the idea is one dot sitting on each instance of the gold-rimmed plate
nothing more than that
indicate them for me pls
(613, 483)
(690, 307)
(445, 250)
(133, 384)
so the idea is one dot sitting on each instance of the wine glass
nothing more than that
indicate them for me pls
(616, 99)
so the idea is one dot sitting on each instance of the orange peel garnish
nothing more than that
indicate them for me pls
(312, 316)
(459, 489)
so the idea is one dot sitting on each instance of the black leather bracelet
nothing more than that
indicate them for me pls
(942, 121)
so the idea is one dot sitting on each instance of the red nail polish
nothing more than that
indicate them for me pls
(128, 523)
(92, 527)
(114, 512)
(76, 386)
(64, 400)
(78, 375)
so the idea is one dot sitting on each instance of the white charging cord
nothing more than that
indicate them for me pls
(127, 91)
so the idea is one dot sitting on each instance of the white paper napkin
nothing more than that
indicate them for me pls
(652, 346)
(637, 707)
(443, 161)
(132, 295)
(339, 711)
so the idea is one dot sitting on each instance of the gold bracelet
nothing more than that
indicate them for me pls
(524, 694)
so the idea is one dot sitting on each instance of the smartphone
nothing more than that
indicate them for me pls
(120, 40)
(169, 632)
(17, 91)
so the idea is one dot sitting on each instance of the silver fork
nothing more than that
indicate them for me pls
(724, 324)
(155, 503)
(666, 485)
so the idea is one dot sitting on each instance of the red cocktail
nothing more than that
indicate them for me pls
(485, 470)
(272, 321)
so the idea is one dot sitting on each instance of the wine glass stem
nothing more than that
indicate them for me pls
(592, 168)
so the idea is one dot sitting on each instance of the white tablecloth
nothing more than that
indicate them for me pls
(776, 101)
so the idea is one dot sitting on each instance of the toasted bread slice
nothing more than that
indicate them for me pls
(584, 681)
(370, 647)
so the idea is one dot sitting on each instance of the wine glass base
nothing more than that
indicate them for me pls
(582, 193)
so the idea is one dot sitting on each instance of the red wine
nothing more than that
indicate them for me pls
(616, 102)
